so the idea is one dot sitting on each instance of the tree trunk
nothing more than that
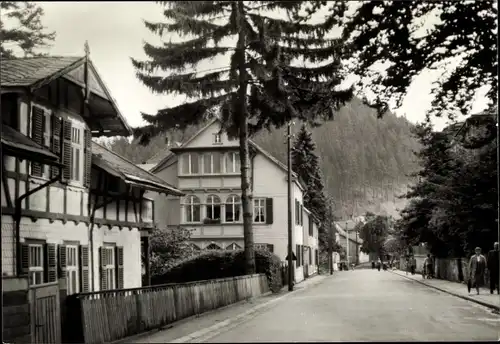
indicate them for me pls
(246, 196)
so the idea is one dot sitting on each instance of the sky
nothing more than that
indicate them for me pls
(115, 32)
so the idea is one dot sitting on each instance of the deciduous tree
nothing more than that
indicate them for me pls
(259, 87)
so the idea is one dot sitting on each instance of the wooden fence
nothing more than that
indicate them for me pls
(107, 316)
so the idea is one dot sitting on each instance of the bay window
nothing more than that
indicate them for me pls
(212, 163)
(192, 208)
(233, 208)
(232, 162)
(190, 163)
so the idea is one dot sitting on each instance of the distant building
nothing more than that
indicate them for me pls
(207, 169)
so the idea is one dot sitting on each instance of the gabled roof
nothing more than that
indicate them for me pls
(35, 72)
(250, 142)
(129, 172)
(28, 71)
(19, 145)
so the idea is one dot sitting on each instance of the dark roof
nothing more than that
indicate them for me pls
(20, 145)
(27, 71)
(128, 171)
(36, 71)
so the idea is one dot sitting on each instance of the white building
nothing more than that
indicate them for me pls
(207, 169)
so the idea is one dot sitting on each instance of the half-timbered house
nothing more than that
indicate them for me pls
(73, 213)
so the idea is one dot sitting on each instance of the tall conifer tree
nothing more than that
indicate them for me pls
(305, 163)
(261, 86)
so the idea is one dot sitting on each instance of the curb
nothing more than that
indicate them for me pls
(212, 330)
(468, 298)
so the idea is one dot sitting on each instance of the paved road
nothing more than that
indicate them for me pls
(367, 305)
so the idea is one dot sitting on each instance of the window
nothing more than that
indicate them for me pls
(46, 140)
(211, 163)
(265, 247)
(72, 278)
(233, 247)
(259, 210)
(232, 162)
(217, 138)
(190, 163)
(233, 208)
(36, 264)
(76, 154)
(213, 208)
(108, 272)
(193, 209)
(297, 210)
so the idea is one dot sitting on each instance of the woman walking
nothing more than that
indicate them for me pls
(477, 267)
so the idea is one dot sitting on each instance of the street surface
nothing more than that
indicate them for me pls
(366, 305)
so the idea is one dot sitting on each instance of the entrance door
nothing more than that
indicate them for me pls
(46, 325)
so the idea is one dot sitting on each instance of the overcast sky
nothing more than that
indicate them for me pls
(115, 32)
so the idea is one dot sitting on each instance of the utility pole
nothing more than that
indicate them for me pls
(290, 252)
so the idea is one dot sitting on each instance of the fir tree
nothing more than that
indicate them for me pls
(21, 29)
(259, 88)
(305, 163)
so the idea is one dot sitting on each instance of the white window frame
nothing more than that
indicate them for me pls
(212, 202)
(259, 204)
(233, 201)
(217, 138)
(233, 247)
(216, 247)
(189, 157)
(235, 162)
(109, 266)
(192, 201)
(36, 263)
(72, 269)
(211, 169)
(77, 144)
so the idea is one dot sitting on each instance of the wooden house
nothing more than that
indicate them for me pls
(74, 214)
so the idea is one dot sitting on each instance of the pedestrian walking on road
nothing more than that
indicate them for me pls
(428, 267)
(413, 265)
(373, 264)
(379, 264)
(408, 266)
(477, 267)
(493, 262)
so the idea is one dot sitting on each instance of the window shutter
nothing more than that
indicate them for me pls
(88, 158)
(311, 225)
(25, 259)
(104, 280)
(55, 145)
(66, 150)
(310, 256)
(84, 269)
(296, 212)
(297, 249)
(62, 260)
(50, 267)
(119, 267)
(301, 214)
(269, 211)
(37, 130)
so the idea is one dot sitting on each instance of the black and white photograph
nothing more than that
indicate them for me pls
(249, 171)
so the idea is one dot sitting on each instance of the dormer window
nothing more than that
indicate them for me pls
(217, 138)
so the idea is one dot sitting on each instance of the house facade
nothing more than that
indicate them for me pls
(346, 235)
(207, 169)
(74, 213)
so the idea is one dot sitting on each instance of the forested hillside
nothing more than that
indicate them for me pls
(365, 160)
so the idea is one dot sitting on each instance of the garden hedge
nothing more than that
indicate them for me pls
(222, 264)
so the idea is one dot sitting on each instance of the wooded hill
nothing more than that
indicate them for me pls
(365, 161)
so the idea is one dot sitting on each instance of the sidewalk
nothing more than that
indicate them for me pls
(193, 328)
(456, 289)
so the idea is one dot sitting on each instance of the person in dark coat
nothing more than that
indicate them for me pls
(379, 264)
(493, 261)
(413, 265)
(373, 264)
(477, 267)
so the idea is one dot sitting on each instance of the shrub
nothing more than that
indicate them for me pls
(222, 264)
